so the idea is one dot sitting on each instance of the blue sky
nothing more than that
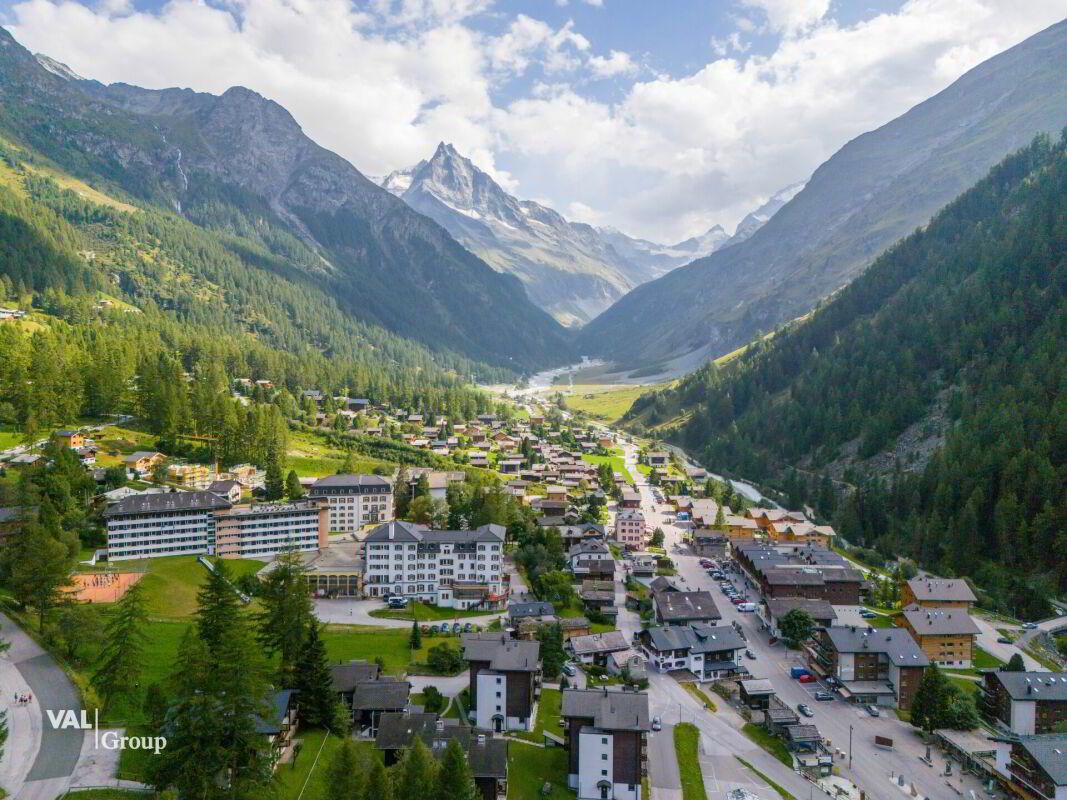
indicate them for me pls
(659, 117)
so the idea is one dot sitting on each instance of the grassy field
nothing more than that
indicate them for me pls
(366, 642)
(530, 767)
(772, 744)
(687, 749)
(985, 660)
(9, 437)
(289, 779)
(424, 612)
(171, 583)
(605, 402)
(617, 463)
(548, 709)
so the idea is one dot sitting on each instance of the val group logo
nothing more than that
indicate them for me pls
(69, 719)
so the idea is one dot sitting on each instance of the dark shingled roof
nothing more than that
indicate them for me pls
(372, 695)
(681, 606)
(346, 676)
(350, 481)
(609, 709)
(940, 621)
(817, 609)
(1050, 753)
(1034, 685)
(279, 704)
(401, 531)
(935, 589)
(502, 652)
(537, 608)
(167, 501)
(695, 638)
(896, 643)
(488, 758)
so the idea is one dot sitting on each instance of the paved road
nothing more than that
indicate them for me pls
(987, 640)
(344, 611)
(57, 751)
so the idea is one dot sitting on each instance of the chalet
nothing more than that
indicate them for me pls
(10, 518)
(1024, 703)
(631, 498)
(880, 666)
(643, 565)
(709, 652)
(505, 681)
(659, 459)
(930, 592)
(673, 607)
(598, 596)
(946, 635)
(537, 610)
(368, 694)
(228, 489)
(143, 461)
(69, 438)
(191, 476)
(710, 543)
(1038, 766)
(605, 735)
(597, 647)
(757, 693)
(278, 726)
(486, 755)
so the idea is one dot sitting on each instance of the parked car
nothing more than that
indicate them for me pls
(705, 563)
(456, 627)
(1029, 626)
(746, 608)
(797, 672)
(657, 724)
(873, 710)
(750, 654)
(808, 678)
(397, 602)
(468, 628)
(1004, 640)
(568, 669)
(867, 614)
(805, 710)
(823, 696)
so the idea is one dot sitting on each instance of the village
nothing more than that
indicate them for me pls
(624, 622)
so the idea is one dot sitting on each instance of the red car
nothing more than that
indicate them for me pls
(807, 679)
(705, 563)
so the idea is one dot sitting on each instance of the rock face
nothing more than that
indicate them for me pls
(572, 270)
(762, 215)
(873, 191)
(241, 159)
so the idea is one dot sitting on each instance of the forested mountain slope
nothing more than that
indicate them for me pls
(968, 315)
(240, 165)
(876, 189)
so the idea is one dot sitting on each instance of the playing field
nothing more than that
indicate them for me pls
(101, 587)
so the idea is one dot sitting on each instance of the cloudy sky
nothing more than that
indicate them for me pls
(659, 117)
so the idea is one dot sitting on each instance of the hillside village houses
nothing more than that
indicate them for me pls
(605, 733)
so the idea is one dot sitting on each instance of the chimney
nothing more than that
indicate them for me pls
(439, 725)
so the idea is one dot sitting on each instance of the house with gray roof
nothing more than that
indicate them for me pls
(505, 680)
(605, 733)
(881, 666)
(596, 647)
(684, 608)
(709, 652)
(1024, 703)
(486, 755)
(1038, 766)
(946, 634)
(773, 609)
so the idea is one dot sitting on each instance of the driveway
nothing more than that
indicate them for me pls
(343, 611)
(987, 640)
(43, 770)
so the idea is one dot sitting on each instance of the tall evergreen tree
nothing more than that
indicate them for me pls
(286, 614)
(217, 608)
(455, 781)
(314, 684)
(416, 774)
(346, 776)
(293, 488)
(122, 657)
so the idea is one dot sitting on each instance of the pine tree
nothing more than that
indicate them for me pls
(36, 569)
(345, 777)
(416, 774)
(928, 704)
(314, 684)
(415, 640)
(274, 483)
(1015, 664)
(455, 781)
(293, 489)
(401, 495)
(217, 608)
(379, 785)
(286, 613)
(122, 657)
(552, 654)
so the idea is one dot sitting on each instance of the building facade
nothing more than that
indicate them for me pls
(1024, 703)
(505, 681)
(455, 569)
(605, 735)
(264, 530)
(354, 500)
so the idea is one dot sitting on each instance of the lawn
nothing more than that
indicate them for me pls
(985, 660)
(608, 403)
(617, 463)
(425, 612)
(289, 779)
(880, 621)
(366, 642)
(110, 794)
(530, 767)
(687, 749)
(548, 709)
(695, 690)
(171, 583)
(772, 744)
(8, 437)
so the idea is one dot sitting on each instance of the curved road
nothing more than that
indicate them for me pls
(46, 773)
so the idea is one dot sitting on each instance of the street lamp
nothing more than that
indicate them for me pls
(850, 748)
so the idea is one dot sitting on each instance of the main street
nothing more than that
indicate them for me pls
(873, 769)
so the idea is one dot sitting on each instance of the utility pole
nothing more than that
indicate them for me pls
(850, 748)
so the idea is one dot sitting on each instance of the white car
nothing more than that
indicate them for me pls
(657, 724)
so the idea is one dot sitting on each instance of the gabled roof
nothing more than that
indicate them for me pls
(537, 608)
(681, 606)
(1034, 685)
(695, 638)
(817, 609)
(503, 653)
(897, 644)
(940, 621)
(279, 705)
(610, 710)
(351, 481)
(403, 531)
(607, 642)
(346, 676)
(380, 694)
(945, 590)
(1050, 753)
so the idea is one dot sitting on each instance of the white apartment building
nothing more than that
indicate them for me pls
(354, 500)
(202, 523)
(454, 569)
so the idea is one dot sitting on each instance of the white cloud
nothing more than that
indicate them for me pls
(791, 15)
(383, 81)
(615, 63)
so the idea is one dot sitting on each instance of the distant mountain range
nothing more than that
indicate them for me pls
(239, 163)
(572, 270)
(873, 191)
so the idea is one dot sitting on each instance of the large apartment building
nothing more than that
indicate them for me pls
(882, 666)
(1025, 703)
(505, 681)
(354, 500)
(455, 569)
(202, 523)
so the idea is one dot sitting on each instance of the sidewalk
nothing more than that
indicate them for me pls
(23, 721)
